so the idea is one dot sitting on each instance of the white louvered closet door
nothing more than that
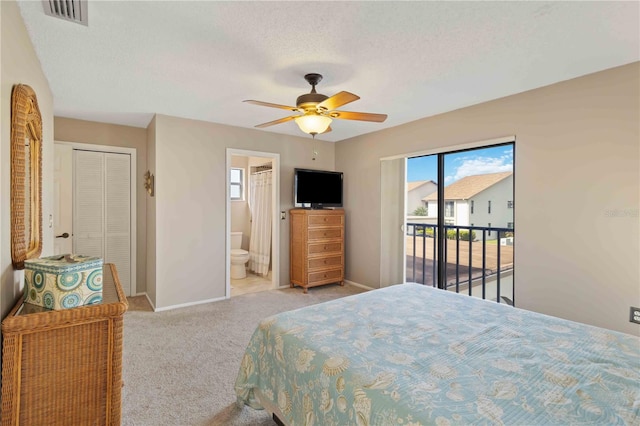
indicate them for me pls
(88, 203)
(102, 209)
(117, 247)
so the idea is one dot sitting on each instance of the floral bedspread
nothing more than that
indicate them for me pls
(413, 355)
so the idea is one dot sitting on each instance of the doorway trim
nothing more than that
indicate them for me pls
(133, 202)
(275, 206)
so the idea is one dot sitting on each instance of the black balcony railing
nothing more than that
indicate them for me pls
(472, 255)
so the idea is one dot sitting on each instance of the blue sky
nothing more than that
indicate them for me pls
(459, 165)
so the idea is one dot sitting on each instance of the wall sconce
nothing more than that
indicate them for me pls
(149, 182)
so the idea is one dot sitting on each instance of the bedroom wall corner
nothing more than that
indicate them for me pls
(190, 226)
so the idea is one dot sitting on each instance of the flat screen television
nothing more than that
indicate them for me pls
(317, 189)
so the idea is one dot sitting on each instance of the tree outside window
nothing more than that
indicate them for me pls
(420, 211)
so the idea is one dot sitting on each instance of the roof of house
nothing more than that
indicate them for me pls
(469, 186)
(416, 184)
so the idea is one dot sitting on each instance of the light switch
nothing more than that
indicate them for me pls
(283, 215)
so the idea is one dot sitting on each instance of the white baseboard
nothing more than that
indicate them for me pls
(366, 287)
(184, 305)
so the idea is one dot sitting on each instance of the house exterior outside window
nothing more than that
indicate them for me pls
(416, 192)
(462, 197)
(236, 184)
(510, 225)
(509, 204)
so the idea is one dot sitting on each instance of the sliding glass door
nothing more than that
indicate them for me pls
(460, 234)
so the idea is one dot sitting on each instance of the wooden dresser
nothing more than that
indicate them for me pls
(317, 247)
(64, 367)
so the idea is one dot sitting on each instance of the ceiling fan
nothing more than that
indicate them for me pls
(317, 110)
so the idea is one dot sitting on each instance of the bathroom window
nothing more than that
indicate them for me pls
(236, 184)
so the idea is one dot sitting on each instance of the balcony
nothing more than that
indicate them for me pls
(471, 257)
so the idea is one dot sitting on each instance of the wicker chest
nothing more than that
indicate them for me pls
(64, 367)
(316, 247)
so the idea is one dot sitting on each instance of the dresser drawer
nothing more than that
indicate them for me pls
(325, 220)
(325, 248)
(335, 274)
(325, 262)
(325, 234)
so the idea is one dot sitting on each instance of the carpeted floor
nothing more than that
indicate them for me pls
(179, 366)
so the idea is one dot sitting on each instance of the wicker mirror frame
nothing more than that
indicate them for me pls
(26, 122)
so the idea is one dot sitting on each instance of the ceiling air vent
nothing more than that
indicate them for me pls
(69, 10)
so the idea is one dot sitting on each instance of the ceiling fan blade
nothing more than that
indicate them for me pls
(281, 120)
(361, 116)
(328, 130)
(268, 104)
(337, 100)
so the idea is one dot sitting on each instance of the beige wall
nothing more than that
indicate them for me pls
(577, 164)
(19, 65)
(190, 159)
(90, 132)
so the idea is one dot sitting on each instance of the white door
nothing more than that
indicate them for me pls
(102, 209)
(63, 199)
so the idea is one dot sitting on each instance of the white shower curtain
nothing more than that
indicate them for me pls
(260, 241)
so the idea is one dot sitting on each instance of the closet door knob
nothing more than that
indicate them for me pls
(65, 235)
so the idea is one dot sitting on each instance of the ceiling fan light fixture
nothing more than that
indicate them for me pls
(313, 124)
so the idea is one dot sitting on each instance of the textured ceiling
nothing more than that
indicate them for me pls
(200, 59)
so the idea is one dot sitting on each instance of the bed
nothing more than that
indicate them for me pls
(414, 355)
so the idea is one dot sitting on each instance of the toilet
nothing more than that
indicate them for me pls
(239, 257)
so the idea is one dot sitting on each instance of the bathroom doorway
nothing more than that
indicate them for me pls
(253, 202)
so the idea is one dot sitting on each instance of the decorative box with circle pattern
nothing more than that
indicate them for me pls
(63, 281)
